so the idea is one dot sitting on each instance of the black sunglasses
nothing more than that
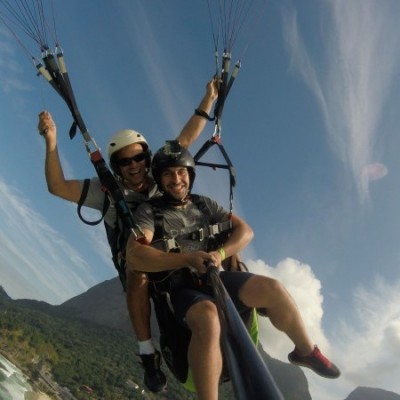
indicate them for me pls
(124, 162)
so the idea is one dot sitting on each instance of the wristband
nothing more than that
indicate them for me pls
(221, 252)
(203, 114)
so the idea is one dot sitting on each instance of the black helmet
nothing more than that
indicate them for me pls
(172, 154)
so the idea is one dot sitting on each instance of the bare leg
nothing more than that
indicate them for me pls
(138, 302)
(204, 354)
(260, 291)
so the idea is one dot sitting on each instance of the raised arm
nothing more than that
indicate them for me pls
(56, 182)
(191, 131)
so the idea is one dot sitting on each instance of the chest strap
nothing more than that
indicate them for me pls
(168, 243)
(205, 233)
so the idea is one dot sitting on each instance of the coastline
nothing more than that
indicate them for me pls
(29, 394)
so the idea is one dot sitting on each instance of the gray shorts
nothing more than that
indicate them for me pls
(183, 299)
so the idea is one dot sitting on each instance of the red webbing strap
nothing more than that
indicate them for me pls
(109, 182)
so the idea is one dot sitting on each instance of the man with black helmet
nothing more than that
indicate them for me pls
(129, 156)
(174, 256)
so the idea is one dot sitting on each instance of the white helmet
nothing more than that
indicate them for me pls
(125, 138)
(122, 139)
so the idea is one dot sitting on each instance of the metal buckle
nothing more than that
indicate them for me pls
(201, 234)
(214, 229)
(170, 244)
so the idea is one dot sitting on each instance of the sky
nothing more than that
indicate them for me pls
(311, 126)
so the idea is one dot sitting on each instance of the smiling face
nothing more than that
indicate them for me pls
(133, 172)
(175, 181)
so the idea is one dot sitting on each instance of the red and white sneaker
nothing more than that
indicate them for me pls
(317, 362)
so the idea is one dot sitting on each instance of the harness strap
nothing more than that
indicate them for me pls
(171, 244)
(117, 237)
(168, 281)
(158, 223)
(85, 190)
(210, 231)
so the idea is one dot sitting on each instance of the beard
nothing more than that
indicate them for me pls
(176, 198)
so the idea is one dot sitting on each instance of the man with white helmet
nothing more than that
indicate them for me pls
(129, 156)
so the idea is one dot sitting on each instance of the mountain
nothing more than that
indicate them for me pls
(103, 304)
(101, 310)
(367, 393)
(4, 297)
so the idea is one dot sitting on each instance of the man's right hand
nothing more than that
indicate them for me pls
(47, 126)
(199, 259)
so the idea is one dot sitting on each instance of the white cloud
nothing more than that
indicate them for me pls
(361, 51)
(373, 337)
(36, 261)
(366, 347)
(163, 76)
(305, 289)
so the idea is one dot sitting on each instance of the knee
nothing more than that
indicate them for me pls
(273, 286)
(137, 287)
(136, 281)
(262, 291)
(263, 284)
(202, 319)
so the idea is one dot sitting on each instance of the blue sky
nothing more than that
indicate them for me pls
(311, 125)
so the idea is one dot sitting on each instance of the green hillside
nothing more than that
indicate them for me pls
(92, 361)
(87, 345)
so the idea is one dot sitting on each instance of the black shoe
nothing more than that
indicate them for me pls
(154, 378)
(317, 362)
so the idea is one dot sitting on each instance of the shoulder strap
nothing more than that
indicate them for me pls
(200, 203)
(157, 206)
(85, 190)
(158, 214)
(113, 237)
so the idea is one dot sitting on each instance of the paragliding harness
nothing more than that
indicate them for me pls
(175, 338)
(117, 236)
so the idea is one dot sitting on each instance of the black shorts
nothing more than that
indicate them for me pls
(183, 299)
